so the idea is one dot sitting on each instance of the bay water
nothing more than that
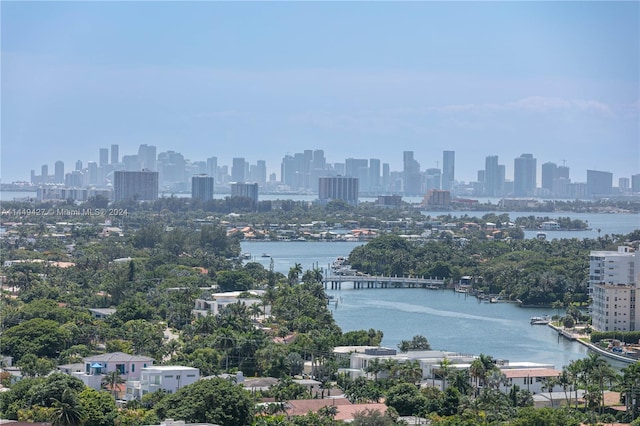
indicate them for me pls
(450, 321)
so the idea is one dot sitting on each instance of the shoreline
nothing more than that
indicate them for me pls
(576, 338)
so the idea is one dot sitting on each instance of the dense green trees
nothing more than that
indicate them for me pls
(217, 401)
(532, 271)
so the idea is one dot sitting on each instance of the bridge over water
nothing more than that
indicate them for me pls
(368, 281)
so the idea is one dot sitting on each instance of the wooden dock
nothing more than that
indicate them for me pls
(366, 281)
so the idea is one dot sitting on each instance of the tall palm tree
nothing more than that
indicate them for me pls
(67, 410)
(111, 381)
(294, 273)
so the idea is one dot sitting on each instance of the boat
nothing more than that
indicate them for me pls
(493, 300)
(265, 255)
(246, 255)
(540, 320)
(541, 236)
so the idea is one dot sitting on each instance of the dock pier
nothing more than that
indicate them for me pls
(371, 282)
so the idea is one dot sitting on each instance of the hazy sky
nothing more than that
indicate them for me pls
(559, 80)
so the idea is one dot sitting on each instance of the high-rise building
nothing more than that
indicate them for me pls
(258, 172)
(212, 167)
(147, 157)
(524, 176)
(238, 170)
(246, 190)
(599, 184)
(549, 175)
(374, 175)
(115, 156)
(614, 277)
(171, 167)
(78, 165)
(202, 187)
(137, 186)
(59, 172)
(493, 178)
(44, 174)
(448, 169)
(433, 178)
(343, 188)
(104, 157)
(92, 171)
(635, 183)
(411, 175)
(623, 185)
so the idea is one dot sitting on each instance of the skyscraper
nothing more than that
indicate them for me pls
(635, 183)
(212, 167)
(59, 172)
(448, 169)
(238, 170)
(343, 188)
(147, 157)
(411, 174)
(492, 177)
(549, 174)
(44, 174)
(92, 167)
(115, 157)
(374, 175)
(138, 186)
(524, 176)
(202, 187)
(104, 157)
(599, 183)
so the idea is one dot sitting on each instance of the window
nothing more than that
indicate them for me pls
(133, 368)
(120, 368)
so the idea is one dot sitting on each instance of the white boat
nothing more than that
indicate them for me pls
(540, 320)
(246, 255)
(541, 236)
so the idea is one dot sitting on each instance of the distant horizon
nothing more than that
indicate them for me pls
(559, 80)
(69, 166)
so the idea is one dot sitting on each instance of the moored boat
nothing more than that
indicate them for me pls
(540, 320)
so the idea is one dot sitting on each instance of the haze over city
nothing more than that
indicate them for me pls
(364, 80)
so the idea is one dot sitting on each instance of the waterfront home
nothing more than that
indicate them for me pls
(531, 379)
(169, 378)
(527, 375)
(218, 301)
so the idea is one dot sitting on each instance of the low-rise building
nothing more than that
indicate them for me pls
(169, 378)
(98, 366)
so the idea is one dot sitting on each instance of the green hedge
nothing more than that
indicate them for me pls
(623, 336)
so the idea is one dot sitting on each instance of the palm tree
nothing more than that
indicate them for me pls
(67, 410)
(294, 273)
(374, 366)
(111, 382)
(444, 371)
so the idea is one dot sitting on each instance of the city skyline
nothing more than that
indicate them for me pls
(357, 80)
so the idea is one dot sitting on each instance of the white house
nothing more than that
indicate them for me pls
(218, 301)
(531, 379)
(169, 378)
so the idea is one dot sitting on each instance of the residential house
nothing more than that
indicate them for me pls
(98, 366)
(169, 378)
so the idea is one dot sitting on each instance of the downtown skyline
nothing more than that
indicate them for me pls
(359, 80)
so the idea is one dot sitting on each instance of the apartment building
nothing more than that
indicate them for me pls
(613, 284)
